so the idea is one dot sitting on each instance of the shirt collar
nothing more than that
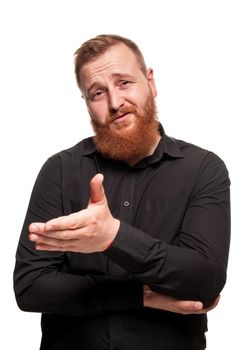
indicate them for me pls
(89, 146)
(167, 146)
(170, 145)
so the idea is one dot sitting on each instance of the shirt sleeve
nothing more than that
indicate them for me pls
(194, 267)
(40, 283)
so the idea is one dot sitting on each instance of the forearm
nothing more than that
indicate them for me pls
(176, 271)
(62, 293)
(45, 282)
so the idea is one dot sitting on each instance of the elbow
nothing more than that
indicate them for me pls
(200, 279)
(207, 279)
(27, 296)
(207, 282)
(215, 279)
(22, 305)
(23, 300)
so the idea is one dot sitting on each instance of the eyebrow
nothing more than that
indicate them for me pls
(114, 75)
(121, 75)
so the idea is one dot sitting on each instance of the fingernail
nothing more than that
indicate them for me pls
(48, 227)
(33, 227)
(33, 237)
(198, 306)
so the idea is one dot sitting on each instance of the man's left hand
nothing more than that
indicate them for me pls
(164, 302)
(87, 231)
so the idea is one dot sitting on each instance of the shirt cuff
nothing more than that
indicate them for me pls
(132, 248)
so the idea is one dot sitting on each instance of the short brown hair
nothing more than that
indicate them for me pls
(95, 47)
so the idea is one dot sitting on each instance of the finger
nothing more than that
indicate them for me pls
(42, 240)
(97, 189)
(71, 247)
(63, 235)
(68, 222)
(45, 247)
(33, 237)
(36, 227)
(189, 306)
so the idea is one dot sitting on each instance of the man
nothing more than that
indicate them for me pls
(129, 230)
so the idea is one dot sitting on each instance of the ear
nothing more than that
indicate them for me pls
(151, 81)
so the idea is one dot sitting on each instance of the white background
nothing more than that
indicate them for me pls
(189, 45)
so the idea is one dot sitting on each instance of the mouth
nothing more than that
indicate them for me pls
(121, 118)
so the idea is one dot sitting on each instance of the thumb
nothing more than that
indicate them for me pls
(97, 189)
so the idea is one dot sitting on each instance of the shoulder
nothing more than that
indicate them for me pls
(207, 163)
(188, 148)
(84, 147)
(64, 159)
(196, 153)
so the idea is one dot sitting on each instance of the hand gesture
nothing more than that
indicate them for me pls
(89, 230)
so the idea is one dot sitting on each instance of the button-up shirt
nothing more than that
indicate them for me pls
(173, 208)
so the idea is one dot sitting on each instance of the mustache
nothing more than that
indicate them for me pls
(114, 115)
(122, 111)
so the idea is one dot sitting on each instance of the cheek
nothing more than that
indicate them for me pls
(99, 113)
(138, 100)
(138, 96)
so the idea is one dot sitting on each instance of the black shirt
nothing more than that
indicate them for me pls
(174, 237)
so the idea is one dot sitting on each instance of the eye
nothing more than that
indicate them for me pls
(125, 84)
(96, 95)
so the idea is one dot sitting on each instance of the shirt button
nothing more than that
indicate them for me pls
(126, 203)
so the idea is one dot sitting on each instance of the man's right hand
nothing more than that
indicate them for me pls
(163, 302)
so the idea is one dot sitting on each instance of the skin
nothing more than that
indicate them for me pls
(112, 81)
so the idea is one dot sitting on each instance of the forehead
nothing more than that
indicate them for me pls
(117, 60)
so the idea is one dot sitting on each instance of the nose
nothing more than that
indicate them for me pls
(115, 100)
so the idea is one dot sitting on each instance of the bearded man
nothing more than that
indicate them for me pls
(125, 242)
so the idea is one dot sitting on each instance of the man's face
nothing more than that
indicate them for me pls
(118, 95)
(113, 81)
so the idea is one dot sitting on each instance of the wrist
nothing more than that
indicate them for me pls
(149, 297)
(114, 228)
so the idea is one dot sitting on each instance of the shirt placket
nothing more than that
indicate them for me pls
(126, 200)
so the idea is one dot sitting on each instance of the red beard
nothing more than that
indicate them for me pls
(128, 143)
